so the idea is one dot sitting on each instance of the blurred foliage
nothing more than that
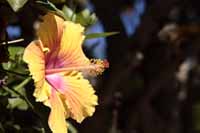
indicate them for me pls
(17, 4)
(84, 17)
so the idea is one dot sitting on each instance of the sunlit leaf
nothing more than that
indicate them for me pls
(17, 4)
(98, 35)
(85, 13)
(85, 18)
(20, 90)
(71, 128)
(14, 52)
(17, 103)
(68, 13)
(17, 127)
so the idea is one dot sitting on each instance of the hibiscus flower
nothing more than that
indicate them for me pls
(56, 62)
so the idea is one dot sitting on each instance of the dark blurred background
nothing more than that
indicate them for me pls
(153, 82)
(152, 85)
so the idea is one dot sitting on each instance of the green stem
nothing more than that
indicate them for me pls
(19, 94)
(12, 72)
(23, 83)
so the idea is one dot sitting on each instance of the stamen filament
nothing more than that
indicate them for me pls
(95, 67)
(78, 68)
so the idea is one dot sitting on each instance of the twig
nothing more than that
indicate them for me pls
(14, 41)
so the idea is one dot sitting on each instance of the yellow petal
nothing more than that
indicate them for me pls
(76, 92)
(50, 31)
(79, 96)
(71, 53)
(42, 92)
(57, 116)
(34, 57)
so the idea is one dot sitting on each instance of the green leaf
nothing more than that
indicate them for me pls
(20, 90)
(17, 127)
(85, 18)
(48, 5)
(68, 13)
(71, 128)
(98, 35)
(51, 7)
(15, 52)
(17, 4)
(93, 19)
(57, 1)
(85, 13)
(17, 103)
(3, 92)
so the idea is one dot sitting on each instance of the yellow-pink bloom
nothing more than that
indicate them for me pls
(56, 62)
